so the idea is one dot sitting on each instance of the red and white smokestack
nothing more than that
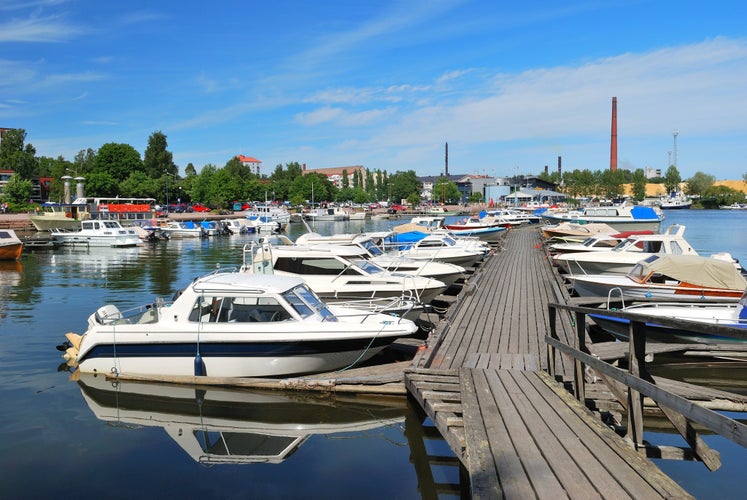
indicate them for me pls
(613, 139)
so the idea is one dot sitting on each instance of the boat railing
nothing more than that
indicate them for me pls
(611, 292)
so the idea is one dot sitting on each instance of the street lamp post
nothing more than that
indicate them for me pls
(167, 191)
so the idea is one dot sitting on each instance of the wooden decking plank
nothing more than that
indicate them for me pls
(487, 469)
(577, 469)
(623, 454)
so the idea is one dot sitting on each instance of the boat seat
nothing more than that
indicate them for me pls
(243, 314)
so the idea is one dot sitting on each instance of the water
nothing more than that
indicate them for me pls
(119, 442)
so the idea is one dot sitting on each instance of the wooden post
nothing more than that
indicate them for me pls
(637, 368)
(578, 373)
(552, 313)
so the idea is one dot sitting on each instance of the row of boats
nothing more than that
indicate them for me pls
(292, 308)
(662, 271)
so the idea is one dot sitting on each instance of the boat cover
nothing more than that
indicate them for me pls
(693, 269)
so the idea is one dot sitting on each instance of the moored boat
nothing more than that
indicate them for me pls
(98, 233)
(231, 324)
(666, 276)
(624, 217)
(11, 245)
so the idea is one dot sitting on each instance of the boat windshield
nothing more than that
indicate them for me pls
(306, 303)
(368, 266)
(372, 248)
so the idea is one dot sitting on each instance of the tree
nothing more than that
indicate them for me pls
(699, 183)
(446, 191)
(672, 179)
(117, 160)
(401, 185)
(84, 162)
(102, 184)
(345, 181)
(17, 157)
(224, 187)
(139, 185)
(17, 189)
(639, 184)
(157, 159)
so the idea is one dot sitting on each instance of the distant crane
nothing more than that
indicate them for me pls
(674, 149)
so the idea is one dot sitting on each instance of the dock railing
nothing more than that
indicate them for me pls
(632, 385)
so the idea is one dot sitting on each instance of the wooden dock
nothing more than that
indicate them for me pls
(516, 429)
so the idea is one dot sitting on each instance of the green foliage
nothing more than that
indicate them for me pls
(157, 159)
(17, 157)
(639, 184)
(198, 187)
(446, 191)
(413, 199)
(400, 185)
(139, 185)
(475, 198)
(716, 196)
(672, 179)
(84, 162)
(17, 189)
(102, 184)
(699, 183)
(323, 189)
(224, 188)
(235, 168)
(118, 161)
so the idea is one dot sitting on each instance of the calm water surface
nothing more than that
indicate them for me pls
(62, 438)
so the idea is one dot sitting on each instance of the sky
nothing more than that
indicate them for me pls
(510, 86)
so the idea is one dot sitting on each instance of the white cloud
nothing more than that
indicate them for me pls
(38, 29)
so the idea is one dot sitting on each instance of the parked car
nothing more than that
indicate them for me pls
(199, 207)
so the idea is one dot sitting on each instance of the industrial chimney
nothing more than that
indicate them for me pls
(446, 165)
(613, 141)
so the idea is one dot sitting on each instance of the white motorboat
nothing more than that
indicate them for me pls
(219, 426)
(622, 258)
(597, 243)
(624, 217)
(327, 214)
(183, 229)
(666, 276)
(484, 228)
(437, 246)
(337, 274)
(269, 213)
(231, 324)
(370, 247)
(700, 313)
(98, 233)
(235, 226)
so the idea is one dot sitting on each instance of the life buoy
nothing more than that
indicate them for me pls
(67, 214)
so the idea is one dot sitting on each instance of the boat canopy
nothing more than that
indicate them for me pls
(693, 269)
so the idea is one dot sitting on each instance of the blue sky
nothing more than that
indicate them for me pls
(384, 84)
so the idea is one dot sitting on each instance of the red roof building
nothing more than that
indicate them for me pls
(251, 162)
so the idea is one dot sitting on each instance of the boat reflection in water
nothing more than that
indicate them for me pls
(222, 426)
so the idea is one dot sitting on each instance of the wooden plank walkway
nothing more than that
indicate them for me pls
(504, 308)
(517, 431)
